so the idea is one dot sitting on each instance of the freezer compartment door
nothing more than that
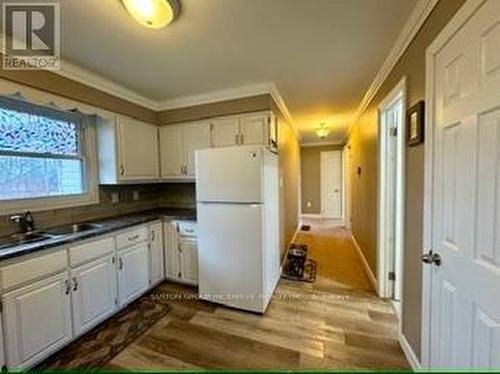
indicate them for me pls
(230, 255)
(231, 174)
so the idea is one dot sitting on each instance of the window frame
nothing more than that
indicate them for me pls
(87, 153)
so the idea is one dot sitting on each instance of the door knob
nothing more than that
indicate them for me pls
(432, 258)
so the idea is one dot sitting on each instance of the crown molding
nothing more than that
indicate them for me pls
(417, 18)
(215, 96)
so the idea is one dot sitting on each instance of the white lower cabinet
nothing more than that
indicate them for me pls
(94, 293)
(157, 273)
(188, 249)
(133, 273)
(181, 252)
(37, 320)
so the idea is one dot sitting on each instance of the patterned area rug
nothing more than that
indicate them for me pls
(100, 345)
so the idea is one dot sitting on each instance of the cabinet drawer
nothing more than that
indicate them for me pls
(132, 237)
(29, 270)
(90, 251)
(188, 228)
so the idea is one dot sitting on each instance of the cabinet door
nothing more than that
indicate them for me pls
(156, 253)
(133, 273)
(225, 132)
(189, 260)
(138, 150)
(253, 129)
(172, 260)
(37, 320)
(94, 293)
(171, 151)
(196, 136)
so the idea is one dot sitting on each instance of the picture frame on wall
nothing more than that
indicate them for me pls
(415, 122)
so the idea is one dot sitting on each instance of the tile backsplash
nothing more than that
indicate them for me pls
(178, 195)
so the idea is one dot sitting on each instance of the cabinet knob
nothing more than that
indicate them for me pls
(75, 284)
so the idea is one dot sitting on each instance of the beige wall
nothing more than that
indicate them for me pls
(364, 151)
(222, 108)
(310, 159)
(289, 149)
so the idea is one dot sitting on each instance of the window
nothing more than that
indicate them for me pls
(43, 154)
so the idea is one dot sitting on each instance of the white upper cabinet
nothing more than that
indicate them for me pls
(128, 151)
(246, 129)
(178, 144)
(253, 129)
(226, 131)
(171, 152)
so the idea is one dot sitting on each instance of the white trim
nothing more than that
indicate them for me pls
(409, 353)
(311, 215)
(366, 266)
(321, 144)
(384, 262)
(463, 14)
(417, 18)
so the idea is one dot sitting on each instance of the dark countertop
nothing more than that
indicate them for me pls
(106, 226)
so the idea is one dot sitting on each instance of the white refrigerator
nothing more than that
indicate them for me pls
(237, 195)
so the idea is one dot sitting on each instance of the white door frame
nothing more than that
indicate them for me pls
(384, 261)
(341, 184)
(346, 186)
(460, 18)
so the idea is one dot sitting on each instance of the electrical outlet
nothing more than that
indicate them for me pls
(115, 198)
(135, 195)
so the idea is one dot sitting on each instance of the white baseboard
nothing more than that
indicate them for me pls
(408, 351)
(310, 215)
(368, 270)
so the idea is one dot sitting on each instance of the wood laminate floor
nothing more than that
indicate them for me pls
(335, 323)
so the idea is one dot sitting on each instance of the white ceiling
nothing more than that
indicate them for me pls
(321, 54)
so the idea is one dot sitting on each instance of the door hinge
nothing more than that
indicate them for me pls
(392, 276)
(394, 131)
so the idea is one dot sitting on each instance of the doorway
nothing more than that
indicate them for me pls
(331, 184)
(391, 195)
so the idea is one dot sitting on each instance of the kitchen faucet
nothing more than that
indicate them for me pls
(25, 221)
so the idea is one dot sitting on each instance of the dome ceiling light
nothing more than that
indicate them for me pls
(322, 131)
(154, 14)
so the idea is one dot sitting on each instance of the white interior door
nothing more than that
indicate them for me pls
(331, 184)
(465, 289)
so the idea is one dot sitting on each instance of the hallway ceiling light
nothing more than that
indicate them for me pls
(154, 14)
(322, 131)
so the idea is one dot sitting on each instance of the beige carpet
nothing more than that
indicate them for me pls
(332, 247)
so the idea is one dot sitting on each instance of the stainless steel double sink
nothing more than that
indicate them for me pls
(36, 236)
